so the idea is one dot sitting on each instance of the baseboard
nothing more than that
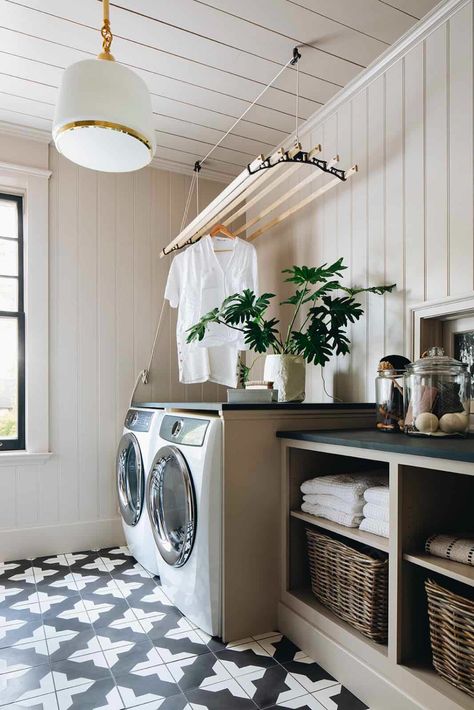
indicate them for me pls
(54, 539)
(362, 680)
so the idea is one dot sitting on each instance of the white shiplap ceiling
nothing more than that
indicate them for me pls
(203, 61)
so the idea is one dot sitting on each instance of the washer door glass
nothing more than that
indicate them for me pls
(171, 505)
(130, 479)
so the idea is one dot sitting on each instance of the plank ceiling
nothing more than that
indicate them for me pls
(203, 61)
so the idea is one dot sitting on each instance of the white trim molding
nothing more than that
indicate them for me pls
(32, 183)
(53, 539)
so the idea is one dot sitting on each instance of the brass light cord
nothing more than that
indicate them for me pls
(106, 33)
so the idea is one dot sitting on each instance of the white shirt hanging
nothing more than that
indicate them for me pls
(199, 280)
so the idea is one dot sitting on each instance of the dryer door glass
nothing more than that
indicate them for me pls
(130, 479)
(171, 505)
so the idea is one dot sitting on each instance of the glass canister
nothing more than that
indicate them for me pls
(437, 396)
(389, 392)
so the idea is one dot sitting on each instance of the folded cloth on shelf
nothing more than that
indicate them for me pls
(376, 512)
(344, 506)
(348, 486)
(323, 511)
(377, 527)
(458, 549)
(377, 494)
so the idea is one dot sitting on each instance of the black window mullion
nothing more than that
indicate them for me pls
(19, 316)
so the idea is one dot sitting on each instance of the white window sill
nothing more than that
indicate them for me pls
(22, 458)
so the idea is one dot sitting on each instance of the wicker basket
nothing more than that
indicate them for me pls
(353, 584)
(452, 635)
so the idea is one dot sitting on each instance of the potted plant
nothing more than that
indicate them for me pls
(316, 330)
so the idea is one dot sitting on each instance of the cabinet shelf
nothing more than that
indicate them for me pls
(366, 538)
(448, 568)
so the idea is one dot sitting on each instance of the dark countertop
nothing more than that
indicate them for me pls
(226, 406)
(453, 449)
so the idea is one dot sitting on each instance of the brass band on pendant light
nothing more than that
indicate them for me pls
(104, 118)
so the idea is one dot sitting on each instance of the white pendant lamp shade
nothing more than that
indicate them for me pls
(103, 117)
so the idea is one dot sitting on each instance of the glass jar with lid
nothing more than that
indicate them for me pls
(437, 396)
(389, 392)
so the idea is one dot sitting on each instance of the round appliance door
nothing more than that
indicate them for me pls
(171, 503)
(130, 479)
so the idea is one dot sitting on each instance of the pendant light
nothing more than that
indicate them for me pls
(103, 118)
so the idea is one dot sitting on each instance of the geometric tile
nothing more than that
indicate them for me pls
(27, 683)
(245, 658)
(339, 698)
(271, 686)
(198, 671)
(311, 676)
(280, 648)
(26, 655)
(113, 637)
(72, 645)
(228, 695)
(145, 685)
(94, 695)
(181, 645)
(160, 624)
(21, 632)
(132, 657)
(94, 630)
(79, 670)
(175, 702)
(303, 702)
(42, 702)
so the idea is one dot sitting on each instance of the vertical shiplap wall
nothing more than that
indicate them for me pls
(407, 216)
(106, 291)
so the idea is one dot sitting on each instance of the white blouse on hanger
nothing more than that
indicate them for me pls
(199, 280)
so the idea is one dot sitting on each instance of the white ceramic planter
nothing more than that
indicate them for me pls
(288, 374)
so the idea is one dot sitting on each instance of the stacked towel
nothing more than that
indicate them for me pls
(339, 497)
(375, 511)
(451, 547)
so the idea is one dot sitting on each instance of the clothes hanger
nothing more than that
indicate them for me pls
(222, 229)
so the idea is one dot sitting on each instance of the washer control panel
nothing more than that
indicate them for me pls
(183, 430)
(137, 420)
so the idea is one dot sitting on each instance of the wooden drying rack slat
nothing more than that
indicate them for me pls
(234, 200)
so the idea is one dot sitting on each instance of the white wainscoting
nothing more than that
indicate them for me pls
(407, 216)
(106, 289)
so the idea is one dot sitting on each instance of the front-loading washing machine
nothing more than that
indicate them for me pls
(184, 501)
(141, 427)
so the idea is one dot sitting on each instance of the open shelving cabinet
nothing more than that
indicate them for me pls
(427, 495)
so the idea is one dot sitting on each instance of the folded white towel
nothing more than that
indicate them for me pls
(376, 512)
(377, 527)
(451, 547)
(348, 486)
(350, 521)
(378, 495)
(344, 506)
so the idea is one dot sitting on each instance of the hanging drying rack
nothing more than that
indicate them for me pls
(259, 179)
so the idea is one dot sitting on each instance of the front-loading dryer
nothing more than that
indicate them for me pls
(136, 446)
(184, 501)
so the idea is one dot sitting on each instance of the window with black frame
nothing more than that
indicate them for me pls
(12, 324)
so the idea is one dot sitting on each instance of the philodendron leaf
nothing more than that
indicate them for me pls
(304, 274)
(379, 290)
(259, 336)
(242, 306)
(198, 330)
(298, 296)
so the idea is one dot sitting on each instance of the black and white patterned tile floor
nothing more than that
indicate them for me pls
(94, 630)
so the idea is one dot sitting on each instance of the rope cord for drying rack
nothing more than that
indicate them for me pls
(143, 375)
